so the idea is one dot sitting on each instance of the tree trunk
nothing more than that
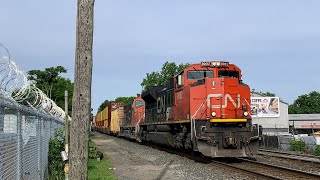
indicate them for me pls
(81, 104)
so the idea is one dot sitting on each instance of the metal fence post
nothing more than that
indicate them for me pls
(50, 128)
(39, 146)
(1, 118)
(19, 147)
(1, 131)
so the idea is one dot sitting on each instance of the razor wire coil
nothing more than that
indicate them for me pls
(14, 85)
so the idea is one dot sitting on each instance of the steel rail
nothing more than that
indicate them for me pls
(278, 171)
(290, 153)
(245, 171)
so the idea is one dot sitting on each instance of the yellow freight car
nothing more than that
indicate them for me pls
(117, 116)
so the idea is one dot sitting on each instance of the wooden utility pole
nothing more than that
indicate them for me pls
(81, 102)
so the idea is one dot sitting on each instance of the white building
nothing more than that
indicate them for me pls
(270, 113)
(304, 123)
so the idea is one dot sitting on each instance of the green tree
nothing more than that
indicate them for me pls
(169, 69)
(153, 79)
(59, 87)
(267, 94)
(52, 84)
(45, 79)
(103, 105)
(306, 104)
(125, 100)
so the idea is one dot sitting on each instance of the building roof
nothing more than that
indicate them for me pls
(255, 94)
(304, 117)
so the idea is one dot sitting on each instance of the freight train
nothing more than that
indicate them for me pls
(204, 108)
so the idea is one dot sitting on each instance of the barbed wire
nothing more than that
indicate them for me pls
(14, 85)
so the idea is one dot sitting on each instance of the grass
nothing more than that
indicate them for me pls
(91, 143)
(100, 170)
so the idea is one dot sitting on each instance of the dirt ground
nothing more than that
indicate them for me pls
(132, 161)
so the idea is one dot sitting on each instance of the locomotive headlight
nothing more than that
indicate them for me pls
(245, 114)
(214, 64)
(213, 114)
(218, 64)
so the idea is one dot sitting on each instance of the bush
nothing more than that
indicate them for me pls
(297, 145)
(92, 150)
(56, 165)
(317, 151)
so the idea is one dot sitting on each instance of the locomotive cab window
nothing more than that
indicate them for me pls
(179, 80)
(231, 74)
(197, 75)
(139, 103)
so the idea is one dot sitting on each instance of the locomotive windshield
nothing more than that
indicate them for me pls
(197, 75)
(231, 74)
(139, 103)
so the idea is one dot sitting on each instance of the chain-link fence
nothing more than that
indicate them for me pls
(24, 141)
(282, 142)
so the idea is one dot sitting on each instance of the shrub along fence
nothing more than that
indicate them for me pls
(287, 143)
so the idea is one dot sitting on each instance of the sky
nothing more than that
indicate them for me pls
(275, 43)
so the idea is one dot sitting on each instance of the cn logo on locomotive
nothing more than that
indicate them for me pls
(225, 105)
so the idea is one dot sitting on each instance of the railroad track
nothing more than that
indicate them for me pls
(260, 170)
(243, 167)
(241, 170)
(292, 156)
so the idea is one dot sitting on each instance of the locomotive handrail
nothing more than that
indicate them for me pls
(137, 125)
(248, 105)
(193, 123)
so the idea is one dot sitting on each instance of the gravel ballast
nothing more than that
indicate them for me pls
(133, 161)
(288, 163)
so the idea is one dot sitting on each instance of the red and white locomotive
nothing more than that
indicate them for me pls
(204, 108)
